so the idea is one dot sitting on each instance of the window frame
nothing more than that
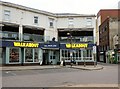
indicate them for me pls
(88, 21)
(51, 22)
(7, 15)
(36, 19)
(70, 21)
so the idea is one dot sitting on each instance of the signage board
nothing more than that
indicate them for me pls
(77, 45)
(26, 44)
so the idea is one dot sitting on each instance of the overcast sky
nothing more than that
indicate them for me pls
(69, 6)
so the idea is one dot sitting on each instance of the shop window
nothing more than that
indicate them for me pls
(1, 55)
(53, 57)
(14, 55)
(79, 53)
(28, 55)
(84, 53)
(36, 56)
(63, 53)
(68, 53)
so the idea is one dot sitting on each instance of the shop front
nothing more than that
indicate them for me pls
(51, 53)
(80, 52)
(21, 53)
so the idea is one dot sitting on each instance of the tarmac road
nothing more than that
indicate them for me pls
(61, 77)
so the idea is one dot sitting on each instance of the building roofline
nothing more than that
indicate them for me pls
(74, 15)
(58, 15)
(106, 10)
(26, 8)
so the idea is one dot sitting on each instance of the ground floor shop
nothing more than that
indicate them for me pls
(80, 52)
(52, 53)
(110, 56)
(118, 57)
(50, 57)
(12, 54)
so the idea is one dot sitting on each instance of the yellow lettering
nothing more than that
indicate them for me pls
(76, 45)
(16, 44)
(23, 44)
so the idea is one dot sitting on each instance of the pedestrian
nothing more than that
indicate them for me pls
(71, 63)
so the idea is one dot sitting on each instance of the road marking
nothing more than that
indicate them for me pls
(9, 72)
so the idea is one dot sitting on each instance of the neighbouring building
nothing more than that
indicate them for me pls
(31, 36)
(107, 26)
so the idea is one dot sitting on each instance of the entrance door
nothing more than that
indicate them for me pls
(52, 57)
(118, 57)
(45, 58)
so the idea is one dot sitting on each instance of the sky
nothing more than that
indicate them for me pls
(69, 6)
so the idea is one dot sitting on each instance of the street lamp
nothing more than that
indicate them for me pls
(70, 35)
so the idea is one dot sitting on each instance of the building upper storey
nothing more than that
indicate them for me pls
(17, 14)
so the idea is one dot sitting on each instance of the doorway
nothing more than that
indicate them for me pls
(45, 58)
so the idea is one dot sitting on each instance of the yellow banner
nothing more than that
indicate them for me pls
(76, 45)
(24, 44)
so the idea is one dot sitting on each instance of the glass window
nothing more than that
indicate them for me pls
(63, 53)
(89, 21)
(36, 55)
(5, 35)
(70, 21)
(51, 23)
(79, 53)
(0, 34)
(35, 19)
(6, 14)
(68, 53)
(14, 55)
(1, 55)
(84, 53)
(26, 37)
(28, 55)
(76, 53)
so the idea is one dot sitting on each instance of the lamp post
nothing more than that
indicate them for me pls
(70, 35)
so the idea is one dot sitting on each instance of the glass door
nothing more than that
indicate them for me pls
(52, 57)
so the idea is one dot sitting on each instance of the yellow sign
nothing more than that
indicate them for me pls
(76, 45)
(24, 44)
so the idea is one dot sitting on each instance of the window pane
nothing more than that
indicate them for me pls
(79, 53)
(7, 15)
(28, 55)
(14, 55)
(89, 21)
(51, 22)
(36, 56)
(65, 53)
(71, 21)
(62, 53)
(35, 19)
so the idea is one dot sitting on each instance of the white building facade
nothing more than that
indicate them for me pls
(30, 36)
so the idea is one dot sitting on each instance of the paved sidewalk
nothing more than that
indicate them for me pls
(18, 68)
(87, 67)
(92, 85)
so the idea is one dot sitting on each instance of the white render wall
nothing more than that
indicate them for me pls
(26, 17)
(79, 22)
(97, 29)
(0, 13)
